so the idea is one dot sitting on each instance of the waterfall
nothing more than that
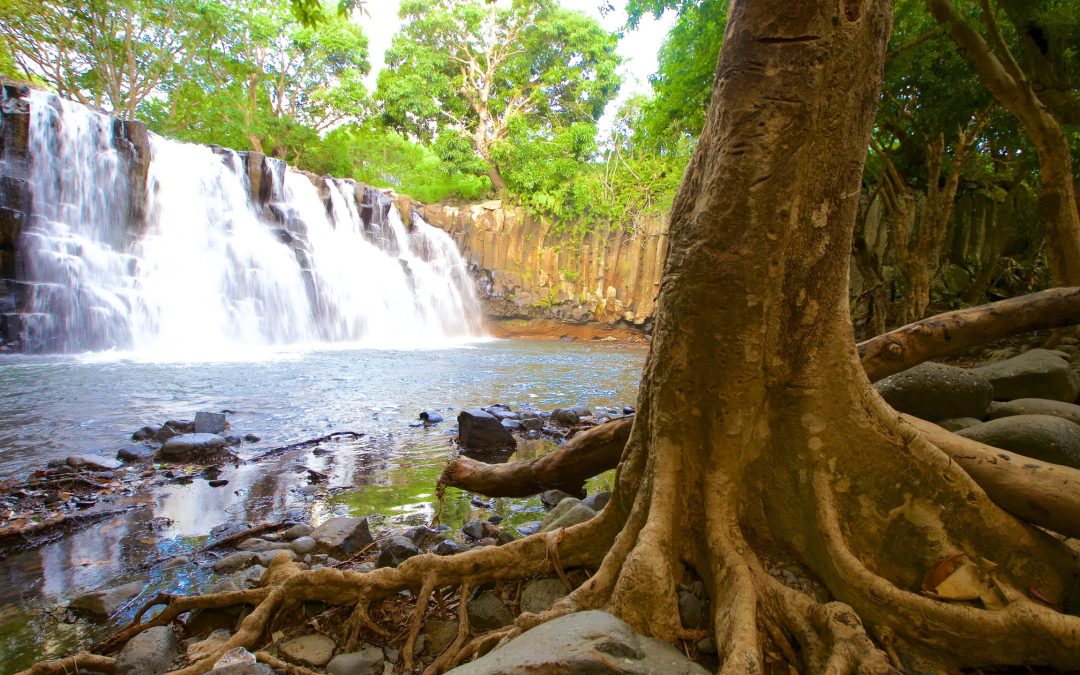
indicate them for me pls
(191, 258)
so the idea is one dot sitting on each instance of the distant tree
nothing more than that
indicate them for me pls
(472, 68)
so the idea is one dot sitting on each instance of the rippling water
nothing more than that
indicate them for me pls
(52, 407)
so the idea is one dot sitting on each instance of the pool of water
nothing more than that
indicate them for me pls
(51, 407)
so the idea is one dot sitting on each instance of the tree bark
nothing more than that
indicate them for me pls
(1012, 89)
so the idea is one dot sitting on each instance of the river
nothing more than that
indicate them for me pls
(55, 406)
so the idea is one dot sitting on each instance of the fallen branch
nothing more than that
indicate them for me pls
(249, 532)
(567, 468)
(73, 664)
(305, 444)
(953, 332)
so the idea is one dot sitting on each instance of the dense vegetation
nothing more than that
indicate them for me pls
(485, 99)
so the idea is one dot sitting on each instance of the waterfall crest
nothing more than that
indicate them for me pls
(193, 249)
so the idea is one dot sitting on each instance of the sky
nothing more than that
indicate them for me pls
(638, 48)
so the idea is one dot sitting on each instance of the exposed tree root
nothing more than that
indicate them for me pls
(73, 664)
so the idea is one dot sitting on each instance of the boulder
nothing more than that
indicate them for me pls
(367, 661)
(93, 463)
(935, 391)
(568, 512)
(209, 423)
(395, 551)
(1037, 373)
(1035, 406)
(107, 601)
(343, 535)
(151, 652)
(146, 433)
(480, 430)
(477, 529)
(138, 453)
(488, 612)
(565, 416)
(692, 610)
(1042, 437)
(439, 635)
(315, 649)
(421, 535)
(540, 594)
(303, 545)
(194, 448)
(583, 642)
(551, 498)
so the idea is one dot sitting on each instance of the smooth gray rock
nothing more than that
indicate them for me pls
(93, 463)
(138, 453)
(568, 512)
(1043, 437)
(449, 547)
(527, 528)
(235, 561)
(151, 652)
(146, 433)
(430, 417)
(477, 529)
(209, 423)
(540, 594)
(297, 531)
(439, 635)
(303, 545)
(1035, 406)
(257, 545)
(1037, 373)
(480, 430)
(315, 649)
(598, 501)
(367, 661)
(958, 423)
(565, 416)
(551, 498)
(935, 391)
(488, 612)
(395, 551)
(692, 610)
(107, 601)
(266, 557)
(194, 448)
(583, 643)
(342, 535)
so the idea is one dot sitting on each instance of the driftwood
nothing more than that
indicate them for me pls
(953, 332)
(310, 443)
(248, 533)
(567, 468)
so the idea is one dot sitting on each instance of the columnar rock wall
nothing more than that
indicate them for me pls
(527, 270)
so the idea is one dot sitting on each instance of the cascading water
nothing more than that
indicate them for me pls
(204, 267)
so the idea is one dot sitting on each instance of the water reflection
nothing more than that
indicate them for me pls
(54, 406)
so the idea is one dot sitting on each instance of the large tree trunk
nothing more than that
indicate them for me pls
(1010, 87)
(758, 434)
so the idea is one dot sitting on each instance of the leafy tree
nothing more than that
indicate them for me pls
(474, 68)
(108, 54)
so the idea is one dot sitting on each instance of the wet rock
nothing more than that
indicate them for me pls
(568, 512)
(107, 601)
(267, 557)
(367, 661)
(480, 430)
(139, 453)
(233, 441)
(598, 501)
(1037, 373)
(935, 391)
(93, 463)
(532, 423)
(208, 423)
(217, 482)
(477, 529)
(505, 537)
(565, 417)
(342, 535)
(146, 433)
(235, 561)
(488, 612)
(303, 545)
(1035, 406)
(583, 642)
(511, 425)
(151, 652)
(395, 551)
(958, 423)
(297, 531)
(540, 594)
(439, 635)
(308, 650)
(430, 417)
(527, 528)
(628, 410)
(194, 448)
(1043, 437)
(421, 535)
(551, 498)
(449, 547)
(181, 426)
(165, 432)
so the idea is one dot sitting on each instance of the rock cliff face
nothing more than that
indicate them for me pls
(526, 270)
